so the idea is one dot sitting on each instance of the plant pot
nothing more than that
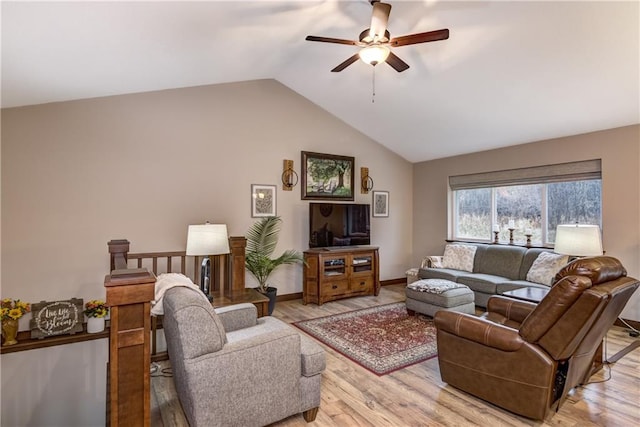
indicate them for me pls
(10, 331)
(95, 325)
(271, 294)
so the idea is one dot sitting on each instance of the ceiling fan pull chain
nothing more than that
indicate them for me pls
(373, 86)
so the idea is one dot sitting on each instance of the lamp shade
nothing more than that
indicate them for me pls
(207, 239)
(375, 54)
(578, 240)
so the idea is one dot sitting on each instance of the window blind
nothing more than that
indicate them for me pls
(572, 171)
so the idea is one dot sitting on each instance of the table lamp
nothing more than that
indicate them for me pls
(205, 240)
(578, 240)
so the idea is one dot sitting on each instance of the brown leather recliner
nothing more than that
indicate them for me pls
(525, 357)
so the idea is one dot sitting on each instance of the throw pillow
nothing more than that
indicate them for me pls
(459, 257)
(545, 268)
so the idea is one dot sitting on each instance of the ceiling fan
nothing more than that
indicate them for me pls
(376, 41)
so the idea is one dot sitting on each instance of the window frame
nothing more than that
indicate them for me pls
(454, 220)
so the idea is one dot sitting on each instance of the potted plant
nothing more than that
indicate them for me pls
(96, 310)
(262, 239)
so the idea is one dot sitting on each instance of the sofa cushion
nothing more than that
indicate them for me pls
(459, 257)
(479, 282)
(545, 267)
(442, 273)
(480, 250)
(498, 260)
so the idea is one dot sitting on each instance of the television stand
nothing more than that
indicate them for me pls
(338, 272)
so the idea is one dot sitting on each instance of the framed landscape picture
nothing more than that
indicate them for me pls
(327, 176)
(263, 200)
(380, 203)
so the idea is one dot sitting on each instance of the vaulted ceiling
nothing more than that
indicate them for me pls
(510, 73)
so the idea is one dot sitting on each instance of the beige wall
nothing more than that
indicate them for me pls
(143, 167)
(619, 150)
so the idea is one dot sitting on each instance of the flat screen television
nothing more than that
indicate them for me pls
(338, 224)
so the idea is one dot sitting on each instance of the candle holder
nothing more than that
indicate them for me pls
(511, 236)
(528, 236)
(495, 237)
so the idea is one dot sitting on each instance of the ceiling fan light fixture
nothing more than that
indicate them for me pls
(374, 55)
(376, 42)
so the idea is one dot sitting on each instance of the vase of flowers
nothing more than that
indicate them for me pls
(12, 310)
(95, 310)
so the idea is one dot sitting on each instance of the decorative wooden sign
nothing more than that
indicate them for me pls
(56, 318)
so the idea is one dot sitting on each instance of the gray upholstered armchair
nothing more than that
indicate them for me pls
(232, 369)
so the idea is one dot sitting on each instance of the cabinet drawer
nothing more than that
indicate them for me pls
(335, 287)
(361, 284)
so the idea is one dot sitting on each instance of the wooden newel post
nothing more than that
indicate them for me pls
(118, 250)
(236, 266)
(129, 296)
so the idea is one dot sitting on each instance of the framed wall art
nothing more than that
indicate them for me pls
(327, 176)
(380, 203)
(263, 200)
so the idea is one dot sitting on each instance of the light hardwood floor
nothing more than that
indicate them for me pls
(415, 396)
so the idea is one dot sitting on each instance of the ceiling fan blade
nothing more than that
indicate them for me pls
(396, 63)
(329, 40)
(430, 36)
(379, 19)
(345, 64)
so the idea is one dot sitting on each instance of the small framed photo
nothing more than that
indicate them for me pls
(263, 200)
(380, 203)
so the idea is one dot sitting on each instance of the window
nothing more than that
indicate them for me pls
(569, 202)
(523, 205)
(535, 199)
(473, 214)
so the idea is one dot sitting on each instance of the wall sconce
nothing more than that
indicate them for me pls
(289, 176)
(366, 182)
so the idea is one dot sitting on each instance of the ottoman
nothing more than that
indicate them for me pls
(427, 296)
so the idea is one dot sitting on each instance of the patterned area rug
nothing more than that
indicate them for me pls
(382, 339)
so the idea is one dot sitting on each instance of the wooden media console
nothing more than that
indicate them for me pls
(336, 273)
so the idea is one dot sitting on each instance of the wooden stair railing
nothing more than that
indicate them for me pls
(129, 295)
(133, 330)
(227, 275)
